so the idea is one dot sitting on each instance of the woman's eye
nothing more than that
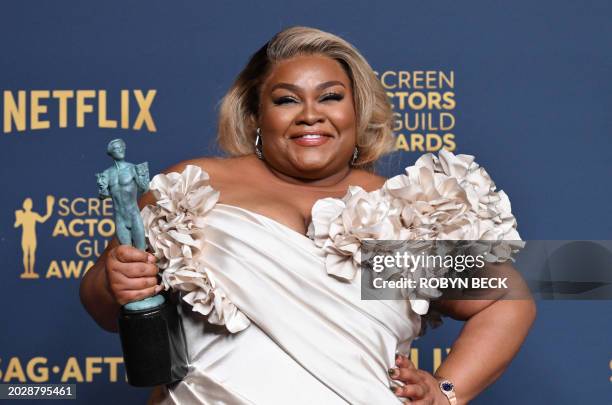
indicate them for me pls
(284, 100)
(332, 96)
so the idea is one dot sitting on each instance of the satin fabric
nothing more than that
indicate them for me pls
(311, 339)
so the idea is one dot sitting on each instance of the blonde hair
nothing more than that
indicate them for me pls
(239, 106)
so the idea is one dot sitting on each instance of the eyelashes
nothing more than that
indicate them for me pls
(333, 96)
(325, 97)
(284, 100)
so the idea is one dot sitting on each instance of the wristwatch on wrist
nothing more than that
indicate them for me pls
(448, 389)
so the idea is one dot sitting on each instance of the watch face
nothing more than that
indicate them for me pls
(446, 386)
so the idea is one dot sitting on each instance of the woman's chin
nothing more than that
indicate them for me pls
(311, 164)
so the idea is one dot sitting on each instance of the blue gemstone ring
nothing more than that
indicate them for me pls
(446, 386)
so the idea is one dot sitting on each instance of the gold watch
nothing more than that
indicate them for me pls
(448, 389)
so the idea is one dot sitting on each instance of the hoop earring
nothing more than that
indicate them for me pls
(258, 144)
(355, 156)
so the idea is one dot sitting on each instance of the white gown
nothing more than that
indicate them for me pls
(311, 339)
(270, 316)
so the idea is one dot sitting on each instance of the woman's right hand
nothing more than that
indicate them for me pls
(131, 274)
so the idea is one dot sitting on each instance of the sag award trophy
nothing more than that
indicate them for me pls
(151, 332)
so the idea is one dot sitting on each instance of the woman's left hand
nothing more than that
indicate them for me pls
(421, 388)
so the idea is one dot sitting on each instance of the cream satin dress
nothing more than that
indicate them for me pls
(270, 316)
(311, 339)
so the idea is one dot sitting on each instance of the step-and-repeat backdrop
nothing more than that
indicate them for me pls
(525, 88)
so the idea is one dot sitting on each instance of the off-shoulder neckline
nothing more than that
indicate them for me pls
(272, 220)
(287, 227)
(282, 225)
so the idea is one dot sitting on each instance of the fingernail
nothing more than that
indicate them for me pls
(158, 288)
(151, 258)
(392, 372)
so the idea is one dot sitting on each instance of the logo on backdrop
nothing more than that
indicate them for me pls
(71, 107)
(94, 369)
(85, 224)
(423, 102)
(27, 220)
(41, 369)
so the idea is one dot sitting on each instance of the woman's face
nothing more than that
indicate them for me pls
(307, 117)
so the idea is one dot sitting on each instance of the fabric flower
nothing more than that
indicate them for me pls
(340, 225)
(174, 227)
(449, 197)
(452, 198)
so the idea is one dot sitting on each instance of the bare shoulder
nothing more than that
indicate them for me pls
(221, 170)
(205, 163)
(211, 165)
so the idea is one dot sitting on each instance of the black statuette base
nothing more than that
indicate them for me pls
(153, 345)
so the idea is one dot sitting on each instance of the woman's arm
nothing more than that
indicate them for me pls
(494, 330)
(96, 296)
(491, 337)
(133, 276)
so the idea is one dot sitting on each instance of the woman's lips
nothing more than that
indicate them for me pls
(310, 140)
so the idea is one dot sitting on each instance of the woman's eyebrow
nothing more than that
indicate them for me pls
(329, 84)
(293, 87)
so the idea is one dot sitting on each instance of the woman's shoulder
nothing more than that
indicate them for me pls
(214, 166)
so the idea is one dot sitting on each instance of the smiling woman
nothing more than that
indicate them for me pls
(307, 121)
(259, 246)
(304, 76)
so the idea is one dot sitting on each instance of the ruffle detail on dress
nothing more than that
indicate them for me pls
(174, 227)
(448, 197)
(339, 225)
(451, 197)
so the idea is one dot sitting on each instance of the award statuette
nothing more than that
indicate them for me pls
(151, 331)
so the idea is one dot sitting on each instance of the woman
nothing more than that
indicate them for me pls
(265, 322)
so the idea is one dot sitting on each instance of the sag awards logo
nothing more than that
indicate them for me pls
(42, 369)
(423, 102)
(40, 109)
(84, 223)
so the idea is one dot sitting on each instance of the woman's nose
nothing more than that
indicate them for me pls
(310, 114)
